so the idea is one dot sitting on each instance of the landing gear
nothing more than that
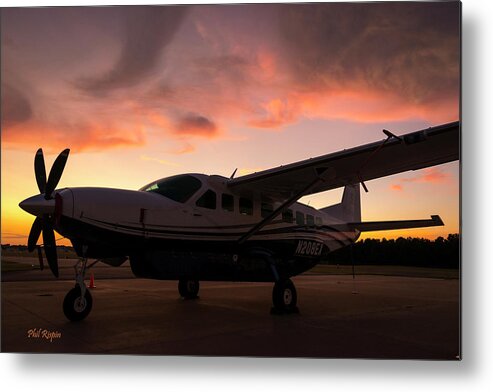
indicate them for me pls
(284, 297)
(188, 288)
(76, 306)
(78, 302)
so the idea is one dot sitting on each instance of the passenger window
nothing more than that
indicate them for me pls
(207, 200)
(246, 206)
(266, 209)
(287, 216)
(227, 202)
(300, 218)
(310, 220)
(318, 221)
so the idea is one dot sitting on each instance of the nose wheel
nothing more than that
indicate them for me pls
(76, 306)
(78, 302)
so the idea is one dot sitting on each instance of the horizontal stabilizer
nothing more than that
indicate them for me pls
(395, 225)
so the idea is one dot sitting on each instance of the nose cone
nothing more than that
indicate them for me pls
(38, 205)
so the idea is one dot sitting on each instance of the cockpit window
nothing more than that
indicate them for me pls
(177, 188)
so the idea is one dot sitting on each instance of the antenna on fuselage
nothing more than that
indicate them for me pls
(232, 175)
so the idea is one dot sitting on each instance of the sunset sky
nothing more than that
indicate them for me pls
(140, 93)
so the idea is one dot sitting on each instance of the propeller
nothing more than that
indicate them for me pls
(44, 221)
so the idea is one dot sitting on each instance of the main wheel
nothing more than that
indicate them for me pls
(284, 296)
(75, 306)
(188, 288)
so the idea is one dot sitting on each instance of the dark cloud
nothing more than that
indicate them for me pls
(220, 62)
(409, 48)
(233, 67)
(196, 125)
(16, 108)
(162, 90)
(148, 30)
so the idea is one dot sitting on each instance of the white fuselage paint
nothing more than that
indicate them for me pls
(152, 215)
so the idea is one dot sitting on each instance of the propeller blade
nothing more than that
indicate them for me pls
(56, 173)
(34, 234)
(50, 248)
(40, 170)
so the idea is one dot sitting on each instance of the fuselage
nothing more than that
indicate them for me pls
(190, 225)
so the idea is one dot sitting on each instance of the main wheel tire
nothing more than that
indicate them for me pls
(284, 296)
(188, 288)
(76, 307)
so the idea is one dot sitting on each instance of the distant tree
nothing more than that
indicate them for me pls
(440, 253)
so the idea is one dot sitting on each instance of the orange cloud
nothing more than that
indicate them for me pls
(357, 103)
(77, 137)
(267, 62)
(429, 175)
(157, 119)
(353, 102)
(187, 148)
(279, 112)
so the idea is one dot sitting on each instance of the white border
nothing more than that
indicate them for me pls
(474, 373)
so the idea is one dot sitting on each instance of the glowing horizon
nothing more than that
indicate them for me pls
(140, 93)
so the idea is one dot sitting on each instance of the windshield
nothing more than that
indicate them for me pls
(178, 188)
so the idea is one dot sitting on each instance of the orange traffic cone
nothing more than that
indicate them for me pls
(91, 282)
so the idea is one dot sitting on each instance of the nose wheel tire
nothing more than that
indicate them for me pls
(75, 306)
(188, 288)
(284, 297)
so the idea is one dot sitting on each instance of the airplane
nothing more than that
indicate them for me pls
(192, 227)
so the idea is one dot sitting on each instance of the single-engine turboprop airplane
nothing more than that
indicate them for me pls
(194, 227)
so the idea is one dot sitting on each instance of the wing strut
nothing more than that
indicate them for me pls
(389, 135)
(279, 210)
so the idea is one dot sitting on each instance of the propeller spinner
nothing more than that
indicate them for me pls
(43, 206)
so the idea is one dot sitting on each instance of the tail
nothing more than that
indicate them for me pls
(349, 209)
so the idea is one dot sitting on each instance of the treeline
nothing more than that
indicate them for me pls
(419, 252)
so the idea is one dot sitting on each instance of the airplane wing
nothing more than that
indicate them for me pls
(412, 151)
